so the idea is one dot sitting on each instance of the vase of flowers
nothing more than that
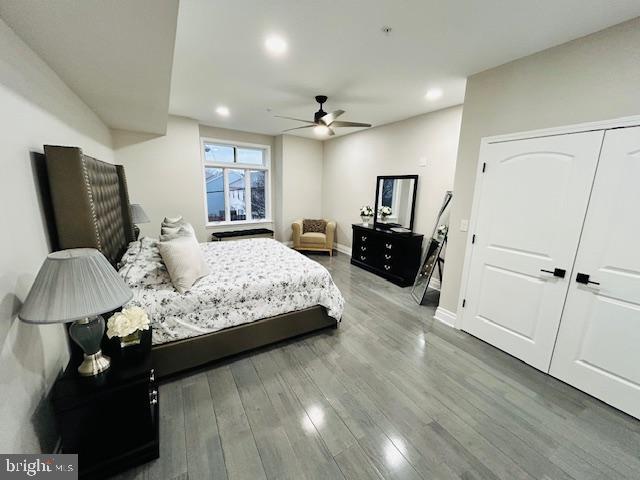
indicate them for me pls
(128, 325)
(366, 214)
(385, 213)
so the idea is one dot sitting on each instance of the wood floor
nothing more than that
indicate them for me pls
(391, 394)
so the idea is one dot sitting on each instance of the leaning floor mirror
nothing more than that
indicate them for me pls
(432, 256)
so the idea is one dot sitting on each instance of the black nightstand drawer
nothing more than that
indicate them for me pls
(110, 420)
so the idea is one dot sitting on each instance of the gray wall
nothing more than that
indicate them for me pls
(36, 108)
(352, 163)
(596, 77)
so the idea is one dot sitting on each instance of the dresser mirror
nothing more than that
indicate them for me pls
(395, 202)
(432, 255)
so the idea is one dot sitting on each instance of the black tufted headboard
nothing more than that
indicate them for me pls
(90, 202)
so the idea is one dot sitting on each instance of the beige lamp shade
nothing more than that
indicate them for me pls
(74, 284)
(138, 215)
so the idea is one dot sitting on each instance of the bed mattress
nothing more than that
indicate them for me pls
(249, 280)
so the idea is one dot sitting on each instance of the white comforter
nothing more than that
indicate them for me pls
(249, 280)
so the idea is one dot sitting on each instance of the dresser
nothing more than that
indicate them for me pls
(393, 256)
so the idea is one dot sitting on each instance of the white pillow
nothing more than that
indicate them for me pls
(169, 233)
(184, 261)
(177, 229)
(172, 219)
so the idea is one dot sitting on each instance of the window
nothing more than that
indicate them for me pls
(236, 181)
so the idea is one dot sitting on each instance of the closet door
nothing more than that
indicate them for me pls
(598, 346)
(532, 204)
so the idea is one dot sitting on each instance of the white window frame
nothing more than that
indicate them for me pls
(247, 178)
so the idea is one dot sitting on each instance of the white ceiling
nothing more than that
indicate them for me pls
(337, 48)
(115, 55)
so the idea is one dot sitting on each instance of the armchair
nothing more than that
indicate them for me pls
(313, 241)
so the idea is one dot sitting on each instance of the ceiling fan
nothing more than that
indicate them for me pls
(323, 122)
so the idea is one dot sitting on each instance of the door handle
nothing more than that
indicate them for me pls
(584, 279)
(557, 272)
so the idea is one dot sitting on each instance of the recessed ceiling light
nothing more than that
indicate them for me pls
(321, 130)
(275, 45)
(222, 111)
(433, 94)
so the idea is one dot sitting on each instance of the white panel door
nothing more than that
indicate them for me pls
(598, 345)
(532, 203)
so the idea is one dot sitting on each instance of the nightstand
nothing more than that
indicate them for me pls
(110, 420)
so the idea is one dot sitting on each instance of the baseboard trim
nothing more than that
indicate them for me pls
(435, 284)
(445, 316)
(339, 247)
(343, 249)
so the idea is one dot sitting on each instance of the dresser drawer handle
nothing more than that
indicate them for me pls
(388, 246)
(364, 238)
(363, 248)
(363, 258)
(387, 257)
(152, 375)
(153, 397)
(387, 267)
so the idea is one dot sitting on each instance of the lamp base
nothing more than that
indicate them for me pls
(87, 332)
(94, 364)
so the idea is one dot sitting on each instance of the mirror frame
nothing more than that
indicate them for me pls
(376, 223)
(420, 296)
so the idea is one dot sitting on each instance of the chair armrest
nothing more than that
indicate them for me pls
(296, 231)
(330, 233)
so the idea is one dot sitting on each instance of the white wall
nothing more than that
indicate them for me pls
(301, 181)
(36, 108)
(596, 77)
(164, 173)
(352, 163)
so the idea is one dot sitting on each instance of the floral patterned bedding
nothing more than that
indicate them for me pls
(249, 280)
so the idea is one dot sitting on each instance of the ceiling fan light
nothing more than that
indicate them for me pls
(321, 130)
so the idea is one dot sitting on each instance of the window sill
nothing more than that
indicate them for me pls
(236, 223)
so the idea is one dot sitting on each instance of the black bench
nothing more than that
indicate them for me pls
(253, 232)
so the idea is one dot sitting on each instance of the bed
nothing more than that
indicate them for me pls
(259, 291)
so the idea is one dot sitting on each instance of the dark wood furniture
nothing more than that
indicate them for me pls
(110, 420)
(394, 256)
(90, 202)
(235, 234)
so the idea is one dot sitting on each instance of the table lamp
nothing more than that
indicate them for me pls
(77, 285)
(138, 215)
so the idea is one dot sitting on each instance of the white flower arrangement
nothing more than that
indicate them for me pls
(126, 322)
(385, 211)
(366, 211)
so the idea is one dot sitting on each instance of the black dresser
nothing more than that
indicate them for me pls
(394, 256)
(110, 420)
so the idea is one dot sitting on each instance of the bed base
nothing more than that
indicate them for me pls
(179, 356)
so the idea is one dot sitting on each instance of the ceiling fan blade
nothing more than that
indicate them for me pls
(349, 124)
(296, 119)
(298, 128)
(330, 117)
(331, 131)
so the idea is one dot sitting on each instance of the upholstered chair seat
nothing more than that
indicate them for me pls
(313, 241)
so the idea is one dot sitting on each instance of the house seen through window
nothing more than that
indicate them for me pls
(236, 182)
